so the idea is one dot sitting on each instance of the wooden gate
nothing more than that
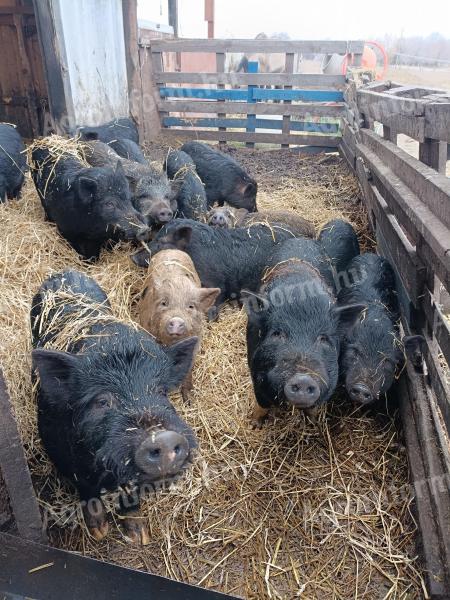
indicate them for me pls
(303, 109)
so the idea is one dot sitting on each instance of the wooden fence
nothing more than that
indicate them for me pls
(229, 106)
(408, 202)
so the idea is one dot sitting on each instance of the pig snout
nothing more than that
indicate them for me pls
(161, 212)
(176, 326)
(162, 454)
(360, 393)
(302, 390)
(218, 220)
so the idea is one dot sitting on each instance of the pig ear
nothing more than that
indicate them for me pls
(249, 189)
(55, 370)
(87, 188)
(181, 356)
(141, 258)
(348, 314)
(414, 345)
(182, 237)
(207, 297)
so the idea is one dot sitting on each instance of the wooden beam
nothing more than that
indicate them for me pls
(130, 29)
(239, 45)
(289, 68)
(258, 138)
(313, 80)
(304, 111)
(35, 571)
(14, 468)
(220, 67)
(223, 124)
(437, 121)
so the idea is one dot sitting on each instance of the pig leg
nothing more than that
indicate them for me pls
(213, 312)
(258, 416)
(94, 513)
(312, 413)
(131, 520)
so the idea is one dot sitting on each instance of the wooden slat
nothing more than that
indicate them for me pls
(14, 469)
(433, 189)
(427, 226)
(239, 45)
(315, 80)
(348, 155)
(438, 324)
(261, 108)
(423, 504)
(325, 128)
(256, 94)
(394, 246)
(298, 95)
(259, 138)
(379, 104)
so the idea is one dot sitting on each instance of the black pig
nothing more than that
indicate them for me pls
(117, 129)
(372, 350)
(340, 243)
(224, 179)
(129, 150)
(230, 259)
(294, 329)
(90, 206)
(191, 197)
(13, 164)
(103, 412)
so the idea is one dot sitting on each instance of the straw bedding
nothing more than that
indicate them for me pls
(292, 510)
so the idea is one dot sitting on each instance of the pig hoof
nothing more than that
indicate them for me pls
(100, 531)
(258, 416)
(185, 396)
(257, 423)
(136, 531)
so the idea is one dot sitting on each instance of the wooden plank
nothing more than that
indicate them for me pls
(252, 67)
(130, 31)
(210, 93)
(291, 79)
(71, 576)
(390, 133)
(261, 108)
(380, 104)
(252, 46)
(411, 125)
(432, 188)
(326, 128)
(14, 468)
(430, 538)
(289, 68)
(220, 67)
(298, 95)
(434, 154)
(437, 121)
(437, 379)
(258, 138)
(61, 110)
(438, 324)
(426, 224)
(348, 155)
(16, 10)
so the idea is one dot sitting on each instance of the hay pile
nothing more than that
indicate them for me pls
(292, 510)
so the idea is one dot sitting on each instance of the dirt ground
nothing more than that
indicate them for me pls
(293, 510)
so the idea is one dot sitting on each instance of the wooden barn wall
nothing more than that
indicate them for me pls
(92, 45)
(23, 90)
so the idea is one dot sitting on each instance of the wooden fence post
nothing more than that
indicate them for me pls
(434, 154)
(288, 68)
(220, 68)
(252, 68)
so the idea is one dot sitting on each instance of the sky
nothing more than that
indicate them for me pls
(320, 19)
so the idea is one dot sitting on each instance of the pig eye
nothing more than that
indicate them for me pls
(191, 306)
(164, 303)
(109, 204)
(277, 333)
(103, 401)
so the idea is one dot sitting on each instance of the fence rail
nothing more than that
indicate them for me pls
(408, 202)
(302, 103)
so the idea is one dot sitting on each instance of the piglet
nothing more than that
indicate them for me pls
(173, 303)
